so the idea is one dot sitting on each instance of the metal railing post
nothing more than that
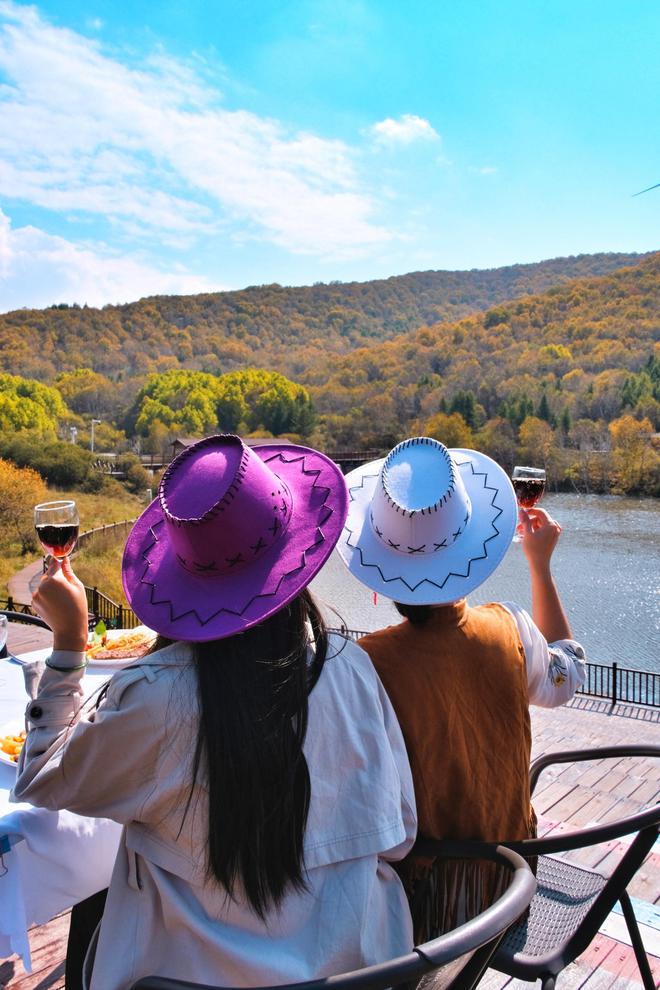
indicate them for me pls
(614, 684)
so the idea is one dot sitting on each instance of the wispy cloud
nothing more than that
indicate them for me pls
(405, 130)
(37, 266)
(152, 146)
(483, 169)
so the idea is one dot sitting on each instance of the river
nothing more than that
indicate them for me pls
(606, 566)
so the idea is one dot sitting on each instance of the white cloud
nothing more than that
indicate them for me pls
(483, 169)
(45, 269)
(405, 130)
(151, 145)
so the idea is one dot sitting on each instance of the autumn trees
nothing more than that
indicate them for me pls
(20, 490)
(526, 375)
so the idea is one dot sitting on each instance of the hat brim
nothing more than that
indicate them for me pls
(185, 606)
(453, 572)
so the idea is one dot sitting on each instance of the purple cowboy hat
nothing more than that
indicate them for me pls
(234, 534)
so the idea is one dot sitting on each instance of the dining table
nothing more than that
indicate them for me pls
(49, 860)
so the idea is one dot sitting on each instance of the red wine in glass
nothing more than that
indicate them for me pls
(529, 485)
(57, 527)
(528, 491)
(58, 541)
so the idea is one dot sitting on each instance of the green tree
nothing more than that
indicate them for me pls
(266, 400)
(465, 403)
(29, 405)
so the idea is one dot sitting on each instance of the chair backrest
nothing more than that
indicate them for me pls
(25, 619)
(644, 825)
(464, 952)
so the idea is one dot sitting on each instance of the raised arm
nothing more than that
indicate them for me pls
(539, 539)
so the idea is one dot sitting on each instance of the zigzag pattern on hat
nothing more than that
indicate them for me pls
(319, 537)
(426, 580)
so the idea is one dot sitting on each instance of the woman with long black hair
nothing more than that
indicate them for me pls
(253, 759)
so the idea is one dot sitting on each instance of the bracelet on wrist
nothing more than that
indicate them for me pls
(65, 670)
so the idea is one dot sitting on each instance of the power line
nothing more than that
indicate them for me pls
(656, 186)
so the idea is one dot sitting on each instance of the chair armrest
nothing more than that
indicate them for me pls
(494, 920)
(584, 755)
(548, 844)
(26, 618)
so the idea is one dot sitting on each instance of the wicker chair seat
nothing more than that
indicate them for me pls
(563, 899)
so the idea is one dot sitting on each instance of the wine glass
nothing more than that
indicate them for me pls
(3, 633)
(529, 485)
(57, 527)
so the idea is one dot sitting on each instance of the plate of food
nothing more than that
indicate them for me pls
(12, 737)
(119, 647)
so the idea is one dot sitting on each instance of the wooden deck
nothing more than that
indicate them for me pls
(23, 638)
(565, 797)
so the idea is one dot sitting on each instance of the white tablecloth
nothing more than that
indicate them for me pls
(55, 858)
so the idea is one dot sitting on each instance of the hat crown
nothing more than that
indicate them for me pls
(420, 504)
(222, 505)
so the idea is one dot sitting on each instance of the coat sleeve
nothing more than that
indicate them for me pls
(94, 761)
(554, 670)
(400, 755)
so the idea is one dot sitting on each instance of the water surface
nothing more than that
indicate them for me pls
(606, 566)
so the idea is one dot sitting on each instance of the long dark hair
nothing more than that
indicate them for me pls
(253, 697)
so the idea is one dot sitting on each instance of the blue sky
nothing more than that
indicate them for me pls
(162, 147)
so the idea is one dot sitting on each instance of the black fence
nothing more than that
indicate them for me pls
(614, 683)
(103, 609)
(99, 606)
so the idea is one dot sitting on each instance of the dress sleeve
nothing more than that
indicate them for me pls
(94, 761)
(554, 670)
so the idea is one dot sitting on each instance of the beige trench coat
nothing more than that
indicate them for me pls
(130, 760)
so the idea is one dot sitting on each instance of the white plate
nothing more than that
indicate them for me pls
(10, 729)
(112, 636)
(93, 664)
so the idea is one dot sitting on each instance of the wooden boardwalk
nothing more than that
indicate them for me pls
(565, 797)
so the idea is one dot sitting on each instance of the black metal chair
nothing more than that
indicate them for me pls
(572, 902)
(26, 618)
(456, 960)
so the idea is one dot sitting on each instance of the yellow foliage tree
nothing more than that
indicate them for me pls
(20, 490)
(537, 442)
(635, 463)
(452, 430)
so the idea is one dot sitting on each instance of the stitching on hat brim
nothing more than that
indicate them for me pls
(319, 537)
(414, 587)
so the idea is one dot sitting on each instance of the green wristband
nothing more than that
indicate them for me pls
(64, 670)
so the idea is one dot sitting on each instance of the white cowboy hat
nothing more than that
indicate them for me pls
(427, 525)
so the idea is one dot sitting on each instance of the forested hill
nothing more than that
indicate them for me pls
(589, 349)
(288, 329)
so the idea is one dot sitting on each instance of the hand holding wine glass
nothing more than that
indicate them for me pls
(529, 486)
(57, 527)
(61, 600)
